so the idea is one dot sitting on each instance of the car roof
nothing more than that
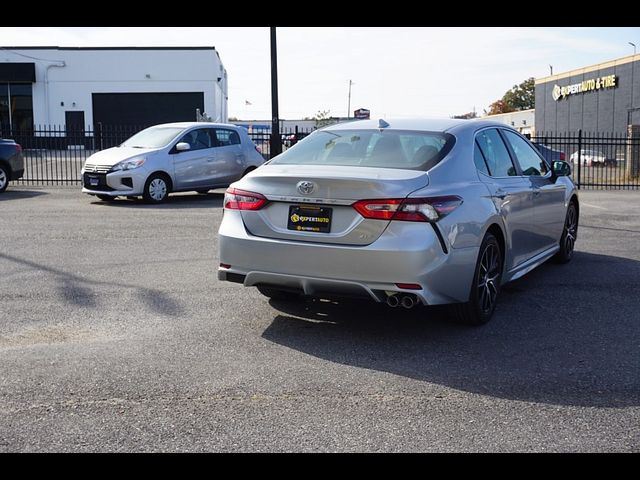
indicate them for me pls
(194, 124)
(452, 125)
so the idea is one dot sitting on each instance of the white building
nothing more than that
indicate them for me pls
(522, 120)
(138, 86)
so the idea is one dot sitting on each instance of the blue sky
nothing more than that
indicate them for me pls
(397, 71)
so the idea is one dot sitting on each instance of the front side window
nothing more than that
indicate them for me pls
(496, 154)
(530, 162)
(198, 139)
(412, 150)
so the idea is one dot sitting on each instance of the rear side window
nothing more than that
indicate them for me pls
(370, 148)
(478, 159)
(530, 162)
(227, 137)
(496, 154)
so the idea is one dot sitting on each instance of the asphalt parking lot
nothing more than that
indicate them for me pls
(115, 335)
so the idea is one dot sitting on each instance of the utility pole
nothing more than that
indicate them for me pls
(349, 104)
(276, 141)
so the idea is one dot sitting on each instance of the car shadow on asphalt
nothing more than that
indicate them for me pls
(562, 335)
(210, 200)
(12, 194)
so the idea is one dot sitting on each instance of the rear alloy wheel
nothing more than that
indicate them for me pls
(485, 287)
(156, 189)
(4, 179)
(569, 235)
(276, 294)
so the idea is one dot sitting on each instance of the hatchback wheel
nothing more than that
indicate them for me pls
(569, 235)
(485, 287)
(4, 178)
(156, 189)
(276, 294)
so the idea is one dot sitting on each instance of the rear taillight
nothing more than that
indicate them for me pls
(18, 148)
(429, 209)
(235, 199)
(562, 156)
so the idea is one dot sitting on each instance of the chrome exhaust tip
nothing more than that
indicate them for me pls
(408, 301)
(393, 300)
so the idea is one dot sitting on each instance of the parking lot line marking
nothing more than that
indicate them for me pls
(593, 206)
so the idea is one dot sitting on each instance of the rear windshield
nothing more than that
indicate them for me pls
(369, 148)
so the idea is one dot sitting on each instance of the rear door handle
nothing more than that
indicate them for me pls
(210, 159)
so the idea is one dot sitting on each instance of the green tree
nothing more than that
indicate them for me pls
(521, 97)
(466, 116)
(499, 106)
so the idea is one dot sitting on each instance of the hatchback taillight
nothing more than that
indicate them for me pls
(428, 209)
(235, 199)
(562, 156)
(18, 148)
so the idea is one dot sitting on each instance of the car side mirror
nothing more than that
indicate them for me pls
(561, 169)
(183, 146)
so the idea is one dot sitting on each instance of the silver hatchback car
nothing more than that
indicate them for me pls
(405, 212)
(172, 157)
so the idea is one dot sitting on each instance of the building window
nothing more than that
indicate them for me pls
(16, 108)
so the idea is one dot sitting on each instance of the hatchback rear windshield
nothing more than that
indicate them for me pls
(370, 148)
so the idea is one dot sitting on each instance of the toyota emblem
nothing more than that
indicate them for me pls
(306, 188)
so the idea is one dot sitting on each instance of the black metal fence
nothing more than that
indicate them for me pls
(598, 161)
(55, 155)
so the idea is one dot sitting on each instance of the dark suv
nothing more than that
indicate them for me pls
(11, 162)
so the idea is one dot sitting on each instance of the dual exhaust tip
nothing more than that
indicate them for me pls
(405, 300)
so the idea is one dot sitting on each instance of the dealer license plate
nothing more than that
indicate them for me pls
(309, 218)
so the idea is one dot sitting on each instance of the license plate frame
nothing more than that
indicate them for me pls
(310, 218)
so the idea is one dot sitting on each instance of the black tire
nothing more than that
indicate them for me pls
(485, 288)
(569, 235)
(4, 178)
(276, 294)
(156, 188)
(203, 192)
(106, 198)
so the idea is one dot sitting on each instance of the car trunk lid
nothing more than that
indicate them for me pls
(312, 203)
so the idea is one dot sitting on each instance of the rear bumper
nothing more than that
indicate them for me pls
(17, 174)
(406, 252)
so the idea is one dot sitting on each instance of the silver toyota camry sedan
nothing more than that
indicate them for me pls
(405, 212)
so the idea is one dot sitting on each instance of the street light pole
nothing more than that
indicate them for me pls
(634, 47)
(349, 104)
(551, 69)
(276, 141)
